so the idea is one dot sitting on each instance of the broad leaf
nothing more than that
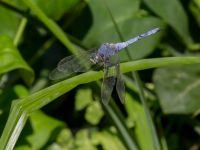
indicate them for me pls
(54, 8)
(9, 22)
(11, 59)
(83, 141)
(178, 88)
(108, 140)
(83, 98)
(94, 113)
(63, 141)
(173, 13)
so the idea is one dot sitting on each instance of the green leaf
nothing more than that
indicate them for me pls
(64, 140)
(11, 59)
(130, 25)
(51, 25)
(136, 113)
(195, 9)
(108, 140)
(197, 129)
(44, 127)
(83, 98)
(54, 8)
(94, 113)
(173, 13)
(5, 102)
(9, 22)
(16, 3)
(83, 141)
(21, 91)
(178, 89)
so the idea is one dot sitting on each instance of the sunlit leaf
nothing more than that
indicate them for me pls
(63, 141)
(108, 140)
(83, 141)
(21, 91)
(16, 3)
(9, 22)
(11, 59)
(94, 113)
(83, 98)
(141, 129)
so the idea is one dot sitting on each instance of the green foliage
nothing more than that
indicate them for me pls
(79, 103)
(11, 59)
(178, 20)
(183, 88)
(94, 113)
(161, 109)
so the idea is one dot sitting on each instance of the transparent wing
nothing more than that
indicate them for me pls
(120, 84)
(107, 86)
(72, 64)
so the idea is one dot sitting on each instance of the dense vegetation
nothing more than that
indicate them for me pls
(161, 74)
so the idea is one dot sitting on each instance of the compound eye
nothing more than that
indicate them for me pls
(105, 44)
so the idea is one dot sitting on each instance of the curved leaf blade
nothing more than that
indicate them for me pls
(11, 59)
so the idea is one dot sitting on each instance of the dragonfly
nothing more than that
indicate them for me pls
(105, 56)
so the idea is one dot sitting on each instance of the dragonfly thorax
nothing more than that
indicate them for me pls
(107, 50)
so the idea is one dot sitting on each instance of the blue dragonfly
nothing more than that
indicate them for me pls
(107, 56)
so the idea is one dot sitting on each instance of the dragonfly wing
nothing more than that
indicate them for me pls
(71, 64)
(57, 74)
(107, 86)
(76, 63)
(120, 84)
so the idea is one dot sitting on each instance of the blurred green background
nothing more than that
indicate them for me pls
(36, 34)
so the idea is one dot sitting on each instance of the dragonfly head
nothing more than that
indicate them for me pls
(95, 58)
